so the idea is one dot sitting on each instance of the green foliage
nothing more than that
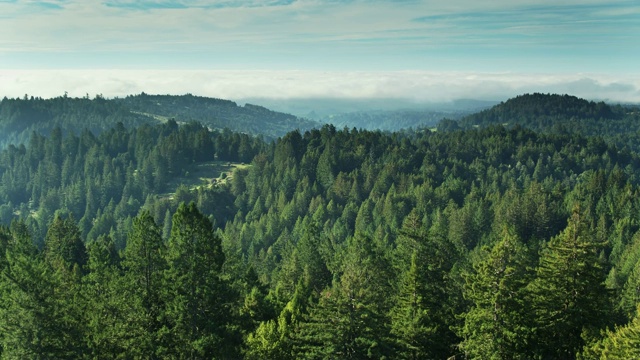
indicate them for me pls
(142, 285)
(40, 312)
(64, 249)
(411, 323)
(107, 320)
(196, 313)
(623, 343)
(350, 319)
(570, 299)
(327, 244)
(498, 325)
(566, 114)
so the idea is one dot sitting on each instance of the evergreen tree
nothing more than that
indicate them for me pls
(197, 298)
(64, 249)
(410, 320)
(621, 344)
(570, 300)
(40, 316)
(144, 265)
(426, 301)
(496, 325)
(107, 320)
(273, 339)
(350, 319)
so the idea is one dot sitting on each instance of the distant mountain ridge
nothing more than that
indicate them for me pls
(553, 113)
(218, 113)
(21, 116)
(538, 111)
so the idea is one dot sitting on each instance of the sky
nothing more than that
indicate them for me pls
(421, 50)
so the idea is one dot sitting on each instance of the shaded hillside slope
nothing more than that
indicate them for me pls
(218, 114)
(20, 117)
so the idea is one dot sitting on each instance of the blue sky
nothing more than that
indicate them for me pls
(590, 47)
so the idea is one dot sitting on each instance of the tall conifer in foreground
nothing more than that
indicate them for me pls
(197, 305)
(569, 296)
(108, 322)
(144, 266)
(350, 319)
(496, 325)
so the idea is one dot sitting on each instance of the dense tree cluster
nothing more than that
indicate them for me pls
(218, 114)
(619, 125)
(494, 242)
(20, 117)
(152, 300)
(103, 181)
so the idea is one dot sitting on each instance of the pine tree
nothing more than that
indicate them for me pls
(496, 325)
(108, 323)
(350, 319)
(569, 297)
(40, 314)
(197, 307)
(426, 300)
(64, 249)
(144, 265)
(273, 339)
(411, 324)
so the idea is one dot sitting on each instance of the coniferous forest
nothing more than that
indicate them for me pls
(510, 234)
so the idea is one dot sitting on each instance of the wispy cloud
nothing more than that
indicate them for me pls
(146, 5)
(185, 4)
(349, 18)
(194, 4)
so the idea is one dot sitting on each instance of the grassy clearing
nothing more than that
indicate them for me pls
(159, 118)
(205, 175)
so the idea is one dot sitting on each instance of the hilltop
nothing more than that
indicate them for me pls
(218, 114)
(553, 113)
(541, 111)
(20, 117)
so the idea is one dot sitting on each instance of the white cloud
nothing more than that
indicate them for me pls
(410, 85)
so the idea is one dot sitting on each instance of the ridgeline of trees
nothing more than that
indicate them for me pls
(20, 117)
(493, 242)
(218, 114)
(619, 125)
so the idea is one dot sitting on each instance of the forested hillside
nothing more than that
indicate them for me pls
(20, 117)
(218, 114)
(619, 125)
(491, 242)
